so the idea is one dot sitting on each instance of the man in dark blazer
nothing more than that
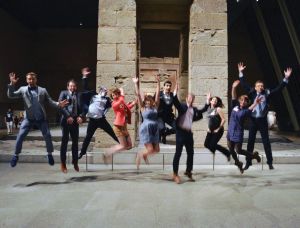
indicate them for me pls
(70, 120)
(35, 98)
(187, 114)
(258, 119)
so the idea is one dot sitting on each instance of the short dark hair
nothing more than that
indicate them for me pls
(71, 81)
(31, 74)
(167, 82)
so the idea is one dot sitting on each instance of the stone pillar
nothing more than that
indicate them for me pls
(208, 56)
(116, 54)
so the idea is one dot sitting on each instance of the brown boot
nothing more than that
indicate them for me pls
(190, 176)
(256, 156)
(76, 167)
(63, 167)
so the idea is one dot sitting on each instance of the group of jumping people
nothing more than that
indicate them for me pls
(157, 119)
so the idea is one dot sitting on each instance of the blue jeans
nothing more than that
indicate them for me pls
(24, 129)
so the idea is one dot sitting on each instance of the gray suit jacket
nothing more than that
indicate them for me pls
(23, 92)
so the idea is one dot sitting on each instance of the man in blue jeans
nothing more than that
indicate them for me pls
(258, 119)
(34, 98)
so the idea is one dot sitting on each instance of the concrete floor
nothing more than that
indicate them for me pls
(37, 195)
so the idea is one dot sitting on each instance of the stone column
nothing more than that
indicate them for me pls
(116, 54)
(208, 58)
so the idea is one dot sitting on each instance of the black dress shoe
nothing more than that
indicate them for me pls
(81, 155)
(14, 161)
(189, 175)
(271, 166)
(248, 164)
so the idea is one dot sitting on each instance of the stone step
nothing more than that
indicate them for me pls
(164, 157)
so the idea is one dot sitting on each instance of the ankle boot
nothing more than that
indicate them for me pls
(240, 166)
(256, 156)
(63, 167)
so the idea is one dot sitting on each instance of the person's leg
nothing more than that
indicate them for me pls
(236, 150)
(179, 146)
(74, 132)
(44, 128)
(64, 145)
(104, 125)
(7, 126)
(91, 128)
(189, 146)
(24, 129)
(216, 138)
(118, 147)
(264, 131)
(10, 127)
(207, 141)
(251, 140)
(171, 122)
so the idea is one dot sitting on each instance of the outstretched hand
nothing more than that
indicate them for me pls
(288, 72)
(63, 103)
(241, 66)
(235, 83)
(13, 79)
(85, 71)
(157, 78)
(208, 96)
(135, 80)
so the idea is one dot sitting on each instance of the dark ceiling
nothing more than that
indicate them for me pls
(37, 14)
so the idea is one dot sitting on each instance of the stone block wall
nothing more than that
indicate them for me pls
(208, 56)
(116, 54)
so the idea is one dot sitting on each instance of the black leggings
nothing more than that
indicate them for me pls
(211, 142)
(236, 148)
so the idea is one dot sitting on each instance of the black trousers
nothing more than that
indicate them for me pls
(261, 125)
(184, 138)
(236, 148)
(92, 127)
(73, 131)
(170, 121)
(211, 142)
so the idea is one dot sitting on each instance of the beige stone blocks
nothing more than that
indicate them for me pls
(107, 52)
(116, 35)
(209, 37)
(126, 52)
(208, 21)
(206, 54)
(126, 18)
(107, 18)
(117, 5)
(209, 71)
(209, 6)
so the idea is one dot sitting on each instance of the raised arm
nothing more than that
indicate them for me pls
(11, 92)
(233, 89)
(85, 78)
(245, 85)
(287, 74)
(122, 92)
(137, 90)
(157, 98)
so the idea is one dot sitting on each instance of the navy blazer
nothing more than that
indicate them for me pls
(267, 92)
(65, 112)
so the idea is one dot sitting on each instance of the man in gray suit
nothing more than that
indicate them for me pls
(34, 98)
